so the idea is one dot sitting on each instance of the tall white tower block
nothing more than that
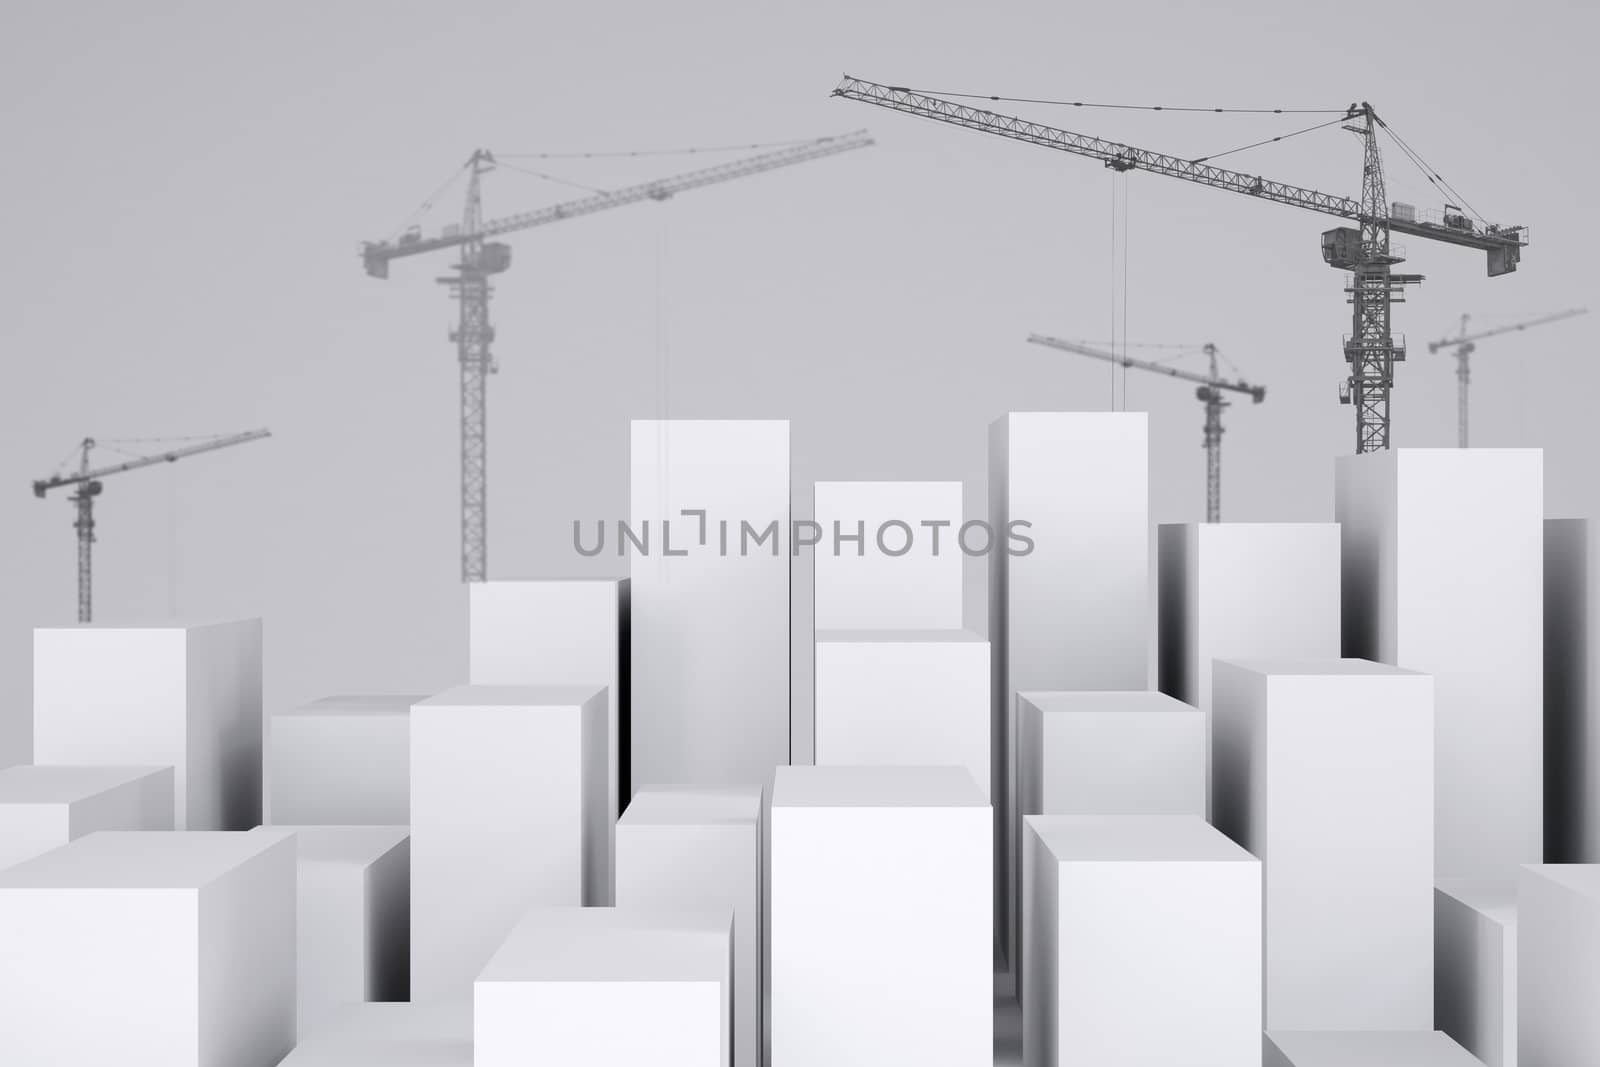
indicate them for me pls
(881, 933)
(1475, 967)
(560, 631)
(1142, 943)
(1074, 612)
(904, 571)
(341, 761)
(1324, 770)
(42, 808)
(183, 695)
(150, 949)
(1558, 964)
(1243, 590)
(701, 847)
(906, 697)
(1572, 690)
(390, 1035)
(608, 987)
(1444, 572)
(710, 602)
(508, 812)
(1356, 1048)
(353, 886)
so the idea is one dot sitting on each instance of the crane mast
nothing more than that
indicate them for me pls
(1363, 250)
(470, 285)
(1211, 387)
(87, 480)
(1374, 288)
(1465, 344)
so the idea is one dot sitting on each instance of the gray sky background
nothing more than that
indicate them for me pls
(187, 185)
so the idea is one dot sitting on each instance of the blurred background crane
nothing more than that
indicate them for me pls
(1211, 387)
(87, 479)
(1465, 344)
(480, 259)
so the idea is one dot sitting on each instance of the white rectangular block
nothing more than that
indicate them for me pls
(150, 949)
(1355, 1048)
(1094, 753)
(1243, 590)
(699, 847)
(1475, 967)
(507, 812)
(1443, 572)
(1572, 691)
(1324, 770)
(184, 695)
(1558, 964)
(1074, 613)
(1106, 753)
(341, 761)
(1142, 943)
(881, 931)
(42, 808)
(608, 987)
(390, 1035)
(710, 625)
(353, 889)
(898, 697)
(561, 631)
(889, 558)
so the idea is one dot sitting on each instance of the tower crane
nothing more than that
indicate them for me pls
(1363, 250)
(1211, 387)
(1465, 344)
(87, 479)
(482, 258)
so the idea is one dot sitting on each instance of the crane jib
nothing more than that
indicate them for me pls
(376, 255)
(1121, 157)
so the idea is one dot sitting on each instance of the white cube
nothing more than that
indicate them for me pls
(700, 846)
(1090, 753)
(150, 949)
(1142, 943)
(1243, 590)
(1356, 1048)
(507, 812)
(608, 987)
(1475, 967)
(881, 931)
(42, 808)
(180, 695)
(904, 572)
(1572, 690)
(1075, 611)
(709, 605)
(560, 632)
(1324, 770)
(1443, 572)
(390, 1035)
(341, 761)
(1558, 964)
(897, 697)
(353, 886)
